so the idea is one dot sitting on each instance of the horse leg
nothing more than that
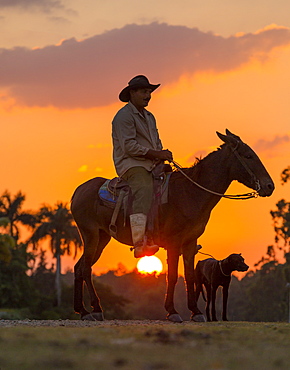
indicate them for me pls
(172, 275)
(78, 288)
(90, 260)
(188, 259)
(94, 243)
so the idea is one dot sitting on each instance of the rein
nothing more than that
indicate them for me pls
(206, 254)
(253, 194)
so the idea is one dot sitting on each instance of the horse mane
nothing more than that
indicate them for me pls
(197, 166)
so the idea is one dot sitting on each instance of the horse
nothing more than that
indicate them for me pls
(192, 194)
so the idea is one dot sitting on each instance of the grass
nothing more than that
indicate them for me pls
(148, 345)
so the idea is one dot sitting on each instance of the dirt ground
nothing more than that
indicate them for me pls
(143, 345)
(80, 323)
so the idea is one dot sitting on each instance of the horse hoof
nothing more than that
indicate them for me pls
(174, 317)
(94, 316)
(198, 318)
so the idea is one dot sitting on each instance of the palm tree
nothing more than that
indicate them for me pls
(57, 224)
(6, 242)
(11, 208)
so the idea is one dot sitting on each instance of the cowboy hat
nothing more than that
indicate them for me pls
(137, 82)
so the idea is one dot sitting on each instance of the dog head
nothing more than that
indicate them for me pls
(236, 262)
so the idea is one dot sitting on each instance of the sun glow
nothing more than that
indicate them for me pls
(148, 265)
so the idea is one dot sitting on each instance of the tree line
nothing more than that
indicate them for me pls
(29, 288)
(18, 270)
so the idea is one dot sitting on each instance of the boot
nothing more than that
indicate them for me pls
(138, 227)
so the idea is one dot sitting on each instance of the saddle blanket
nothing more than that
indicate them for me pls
(106, 195)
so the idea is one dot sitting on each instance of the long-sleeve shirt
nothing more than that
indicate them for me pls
(133, 135)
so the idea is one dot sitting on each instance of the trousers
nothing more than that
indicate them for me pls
(141, 183)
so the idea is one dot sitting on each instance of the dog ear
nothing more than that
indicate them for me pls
(240, 254)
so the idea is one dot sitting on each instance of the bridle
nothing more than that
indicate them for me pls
(253, 194)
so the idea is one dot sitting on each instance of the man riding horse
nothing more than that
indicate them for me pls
(137, 149)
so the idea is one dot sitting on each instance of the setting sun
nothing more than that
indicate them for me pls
(148, 265)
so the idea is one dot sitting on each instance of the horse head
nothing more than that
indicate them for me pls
(248, 168)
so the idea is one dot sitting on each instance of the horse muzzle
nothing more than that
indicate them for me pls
(266, 188)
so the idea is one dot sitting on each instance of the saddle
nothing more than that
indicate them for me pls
(110, 191)
(116, 194)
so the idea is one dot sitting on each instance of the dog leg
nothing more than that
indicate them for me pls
(225, 301)
(213, 298)
(208, 299)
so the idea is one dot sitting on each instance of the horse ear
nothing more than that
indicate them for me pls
(229, 133)
(221, 136)
(228, 139)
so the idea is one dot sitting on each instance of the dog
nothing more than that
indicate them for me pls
(213, 273)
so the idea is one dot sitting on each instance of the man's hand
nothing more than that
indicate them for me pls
(162, 155)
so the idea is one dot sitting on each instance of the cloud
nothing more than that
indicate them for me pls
(44, 5)
(264, 145)
(59, 20)
(83, 168)
(92, 72)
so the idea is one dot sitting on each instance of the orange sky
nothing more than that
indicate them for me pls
(57, 103)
